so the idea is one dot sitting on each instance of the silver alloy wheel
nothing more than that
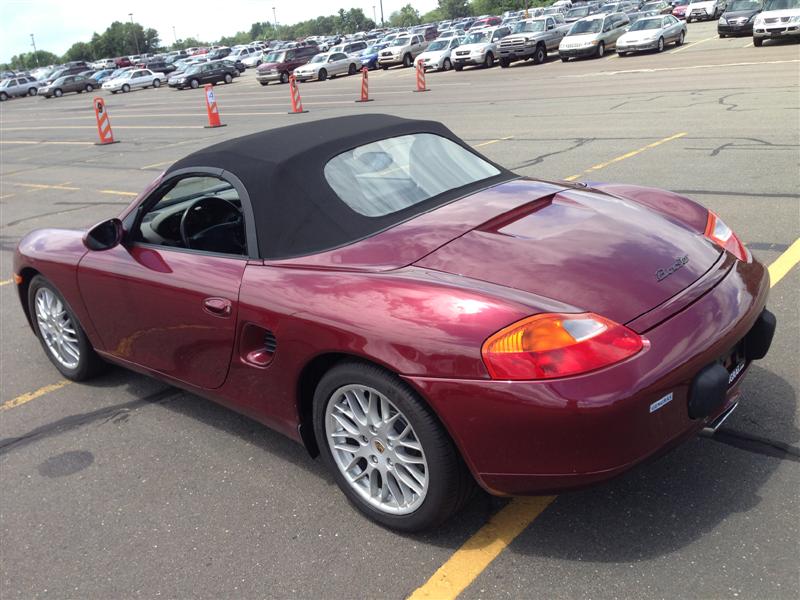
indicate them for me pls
(376, 449)
(57, 329)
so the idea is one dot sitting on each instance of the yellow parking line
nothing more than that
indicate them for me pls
(493, 141)
(25, 398)
(44, 186)
(158, 164)
(747, 45)
(50, 127)
(784, 263)
(54, 143)
(481, 549)
(5, 282)
(687, 46)
(117, 193)
(626, 156)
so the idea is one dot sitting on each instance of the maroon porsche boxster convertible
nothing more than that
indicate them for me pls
(421, 317)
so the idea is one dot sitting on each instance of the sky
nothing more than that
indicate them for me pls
(56, 25)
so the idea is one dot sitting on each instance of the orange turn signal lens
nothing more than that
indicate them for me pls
(558, 345)
(722, 235)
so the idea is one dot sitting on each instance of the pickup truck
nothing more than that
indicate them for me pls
(532, 38)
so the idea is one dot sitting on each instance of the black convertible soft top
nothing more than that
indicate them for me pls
(296, 212)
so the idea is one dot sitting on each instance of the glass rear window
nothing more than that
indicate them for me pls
(390, 175)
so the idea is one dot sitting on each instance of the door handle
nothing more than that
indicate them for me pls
(219, 307)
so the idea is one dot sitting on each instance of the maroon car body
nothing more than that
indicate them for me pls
(420, 299)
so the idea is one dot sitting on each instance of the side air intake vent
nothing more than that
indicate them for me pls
(270, 343)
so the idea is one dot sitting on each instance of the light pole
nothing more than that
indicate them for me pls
(381, 12)
(35, 55)
(275, 18)
(175, 35)
(135, 38)
(374, 17)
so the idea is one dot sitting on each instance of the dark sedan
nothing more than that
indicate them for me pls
(423, 318)
(199, 74)
(738, 18)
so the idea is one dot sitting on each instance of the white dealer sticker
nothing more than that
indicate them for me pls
(659, 403)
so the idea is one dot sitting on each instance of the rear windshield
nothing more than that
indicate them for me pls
(390, 175)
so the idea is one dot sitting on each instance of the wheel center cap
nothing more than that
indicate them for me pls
(379, 446)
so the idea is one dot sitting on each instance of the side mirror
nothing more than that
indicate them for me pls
(105, 235)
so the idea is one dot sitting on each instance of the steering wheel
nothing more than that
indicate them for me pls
(226, 235)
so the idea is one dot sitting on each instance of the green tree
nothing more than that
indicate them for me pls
(30, 60)
(405, 17)
(497, 7)
(189, 42)
(453, 9)
(79, 51)
(431, 16)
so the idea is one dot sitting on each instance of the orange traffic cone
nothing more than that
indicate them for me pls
(103, 123)
(211, 108)
(421, 77)
(364, 86)
(297, 103)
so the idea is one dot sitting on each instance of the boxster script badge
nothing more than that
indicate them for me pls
(679, 262)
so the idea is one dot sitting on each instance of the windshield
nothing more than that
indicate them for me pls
(394, 174)
(438, 45)
(528, 27)
(745, 5)
(781, 4)
(403, 41)
(319, 58)
(588, 26)
(652, 6)
(680, 3)
(580, 12)
(608, 8)
(646, 24)
(192, 69)
(477, 38)
(273, 57)
(336, 48)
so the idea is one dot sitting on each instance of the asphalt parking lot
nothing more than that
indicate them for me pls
(125, 487)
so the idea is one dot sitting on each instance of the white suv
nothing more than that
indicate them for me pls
(479, 47)
(403, 51)
(779, 19)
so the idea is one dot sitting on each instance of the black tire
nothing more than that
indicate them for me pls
(33, 91)
(681, 37)
(540, 54)
(228, 78)
(284, 77)
(504, 63)
(721, 35)
(264, 82)
(450, 483)
(407, 60)
(322, 75)
(688, 20)
(660, 47)
(458, 67)
(194, 84)
(488, 61)
(385, 67)
(156, 83)
(622, 54)
(89, 363)
(113, 91)
(89, 87)
(126, 88)
(564, 58)
(757, 42)
(447, 64)
(58, 92)
(351, 70)
(3, 96)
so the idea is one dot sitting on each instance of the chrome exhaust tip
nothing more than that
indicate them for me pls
(712, 427)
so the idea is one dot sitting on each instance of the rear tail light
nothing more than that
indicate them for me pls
(723, 236)
(557, 345)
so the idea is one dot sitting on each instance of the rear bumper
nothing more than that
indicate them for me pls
(532, 437)
(578, 52)
(729, 29)
(267, 77)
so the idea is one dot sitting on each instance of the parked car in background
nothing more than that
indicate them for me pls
(68, 83)
(255, 59)
(19, 86)
(239, 54)
(64, 71)
(651, 33)
(352, 49)
(438, 55)
(486, 22)
(576, 13)
(593, 35)
(369, 56)
(135, 78)
(98, 76)
(219, 53)
(402, 51)
(679, 8)
(277, 66)
(194, 76)
(122, 61)
(660, 7)
(532, 38)
(780, 19)
(738, 18)
(705, 10)
(479, 48)
(329, 64)
(160, 66)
